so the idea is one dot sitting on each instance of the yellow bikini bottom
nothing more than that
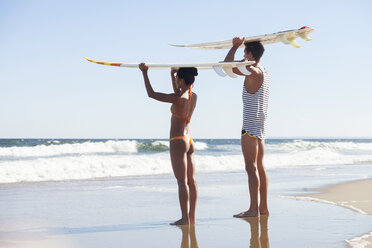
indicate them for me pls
(182, 137)
(246, 133)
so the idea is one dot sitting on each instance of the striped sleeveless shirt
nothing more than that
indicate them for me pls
(255, 107)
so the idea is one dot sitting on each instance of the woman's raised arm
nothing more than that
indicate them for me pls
(172, 98)
(176, 89)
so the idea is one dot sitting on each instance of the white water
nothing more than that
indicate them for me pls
(107, 159)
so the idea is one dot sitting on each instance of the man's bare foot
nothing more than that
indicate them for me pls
(191, 220)
(249, 213)
(180, 222)
(264, 211)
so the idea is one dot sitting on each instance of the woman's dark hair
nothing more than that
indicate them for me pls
(256, 48)
(188, 74)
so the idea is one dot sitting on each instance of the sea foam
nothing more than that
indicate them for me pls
(120, 158)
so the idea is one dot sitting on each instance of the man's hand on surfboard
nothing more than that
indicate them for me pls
(143, 67)
(237, 41)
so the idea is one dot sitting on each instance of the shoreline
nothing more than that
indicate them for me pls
(353, 195)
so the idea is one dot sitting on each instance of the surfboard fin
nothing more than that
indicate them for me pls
(284, 40)
(305, 37)
(228, 71)
(243, 70)
(293, 42)
(219, 71)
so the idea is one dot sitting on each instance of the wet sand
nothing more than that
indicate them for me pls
(136, 212)
(355, 195)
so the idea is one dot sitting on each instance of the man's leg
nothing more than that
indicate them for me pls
(263, 178)
(250, 151)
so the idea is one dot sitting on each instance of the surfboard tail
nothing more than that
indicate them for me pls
(103, 63)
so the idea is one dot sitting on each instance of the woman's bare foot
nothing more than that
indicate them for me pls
(180, 222)
(249, 213)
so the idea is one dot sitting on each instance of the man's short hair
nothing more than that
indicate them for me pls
(256, 48)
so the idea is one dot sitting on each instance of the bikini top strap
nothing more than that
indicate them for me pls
(190, 92)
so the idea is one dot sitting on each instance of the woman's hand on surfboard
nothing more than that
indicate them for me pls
(237, 41)
(174, 71)
(143, 67)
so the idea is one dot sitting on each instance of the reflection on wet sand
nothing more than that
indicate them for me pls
(188, 232)
(258, 241)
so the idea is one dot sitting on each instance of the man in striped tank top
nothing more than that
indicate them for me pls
(255, 102)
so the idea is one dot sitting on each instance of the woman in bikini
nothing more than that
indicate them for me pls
(180, 143)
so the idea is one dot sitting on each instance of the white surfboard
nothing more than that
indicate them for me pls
(221, 68)
(286, 37)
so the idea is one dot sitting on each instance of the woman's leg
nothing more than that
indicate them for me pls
(191, 182)
(178, 150)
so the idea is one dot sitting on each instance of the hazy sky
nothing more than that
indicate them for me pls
(48, 90)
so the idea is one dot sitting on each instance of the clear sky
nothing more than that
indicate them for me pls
(48, 90)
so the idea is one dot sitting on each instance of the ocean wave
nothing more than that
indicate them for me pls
(54, 148)
(318, 153)
(101, 166)
(110, 146)
(200, 146)
(157, 146)
(120, 158)
(140, 164)
(164, 146)
(313, 158)
(306, 145)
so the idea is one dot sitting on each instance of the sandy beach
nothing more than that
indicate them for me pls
(355, 195)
